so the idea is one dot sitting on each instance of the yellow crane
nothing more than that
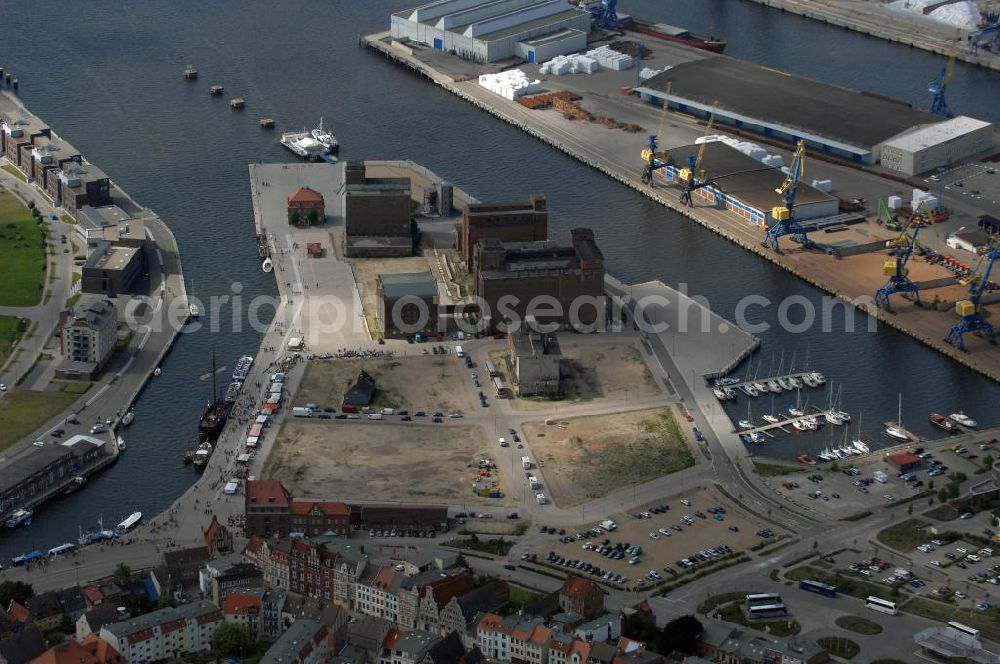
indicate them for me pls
(694, 161)
(650, 155)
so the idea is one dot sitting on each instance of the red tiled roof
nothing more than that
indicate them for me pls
(490, 621)
(240, 604)
(210, 532)
(541, 635)
(93, 595)
(576, 587)
(903, 458)
(267, 492)
(93, 650)
(442, 590)
(582, 648)
(384, 577)
(305, 195)
(103, 651)
(325, 508)
(392, 638)
(173, 625)
(18, 612)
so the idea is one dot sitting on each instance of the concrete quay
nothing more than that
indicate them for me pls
(616, 154)
(872, 19)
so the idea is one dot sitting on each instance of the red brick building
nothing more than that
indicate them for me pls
(303, 202)
(218, 539)
(581, 596)
(506, 222)
(904, 461)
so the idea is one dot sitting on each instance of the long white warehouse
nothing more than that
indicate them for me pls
(492, 30)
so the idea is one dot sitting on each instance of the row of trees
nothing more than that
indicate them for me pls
(311, 217)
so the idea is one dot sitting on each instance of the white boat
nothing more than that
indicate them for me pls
(127, 418)
(21, 517)
(749, 390)
(755, 437)
(157, 371)
(727, 381)
(760, 386)
(129, 522)
(845, 416)
(730, 392)
(832, 417)
(267, 265)
(964, 419)
(796, 383)
(719, 394)
(745, 424)
(841, 453)
(773, 419)
(774, 385)
(324, 138)
(818, 377)
(193, 310)
(799, 425)
(896, 431)
(796, 412)
(826, 455)
(303, 144)
(809, 381)
(121, 444)
(861, 447)
(786, 384)
(810, 421)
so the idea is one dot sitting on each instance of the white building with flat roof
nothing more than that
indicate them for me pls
(492, 30)
(945, 143)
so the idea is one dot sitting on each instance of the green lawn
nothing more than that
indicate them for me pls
(858, 625)
(988, 622)
(905, 536)
(839, 646)
(12, 328)
(13, 171)
(773, 470)
(76, 388)
(22, 270)
(845, 585)
(22, 411)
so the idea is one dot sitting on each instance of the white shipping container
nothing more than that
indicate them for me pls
(894, 202)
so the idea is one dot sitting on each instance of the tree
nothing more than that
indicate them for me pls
(122, 572)
(19, 591)
(461, 562)
(312, 216)
(231, 639)
(679, 635)
(294, 217)
(942, 496)
(165, 601)
(641, 627)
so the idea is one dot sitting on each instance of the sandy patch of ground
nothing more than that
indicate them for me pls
(369, 460)
(587, 457)
(593, 371)
(424, 382)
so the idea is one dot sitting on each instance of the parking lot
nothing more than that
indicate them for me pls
(658, 541)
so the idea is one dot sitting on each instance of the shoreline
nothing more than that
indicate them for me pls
(880, 26)
(400, 57)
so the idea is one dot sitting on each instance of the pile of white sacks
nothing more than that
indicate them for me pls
(587, 63)
(648, 73)
(760, 154)
(920, 196)
(510, 84)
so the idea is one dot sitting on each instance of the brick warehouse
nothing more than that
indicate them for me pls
(527, 270)
(508, 222)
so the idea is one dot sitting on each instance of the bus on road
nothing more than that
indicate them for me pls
(824, 589)
(879, 604)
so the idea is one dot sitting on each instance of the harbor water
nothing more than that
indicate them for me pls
(108, 77)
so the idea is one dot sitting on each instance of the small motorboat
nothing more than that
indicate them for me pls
(156, 371)
(799, 425)
(719, 393)
(121, 444)
(730, 392)
(896, 432)
(964, 419)
(193, 310)
(811, 422)
(127, 418)
(755, 437)
(773, 419)
(267, 265)
(806, 460)
(727, 381)
(745, 424)
(796, 412)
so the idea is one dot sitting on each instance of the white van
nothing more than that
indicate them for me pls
(459, 351)
(299, 411)
(503, 442)
(540, 498)
(374, 416)
(388, 411)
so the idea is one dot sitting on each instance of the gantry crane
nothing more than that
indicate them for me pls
(899, 280)
(937, 87)
(650, 155)
(784, 217)
(970, 311)
(693, 170)
(605, 15)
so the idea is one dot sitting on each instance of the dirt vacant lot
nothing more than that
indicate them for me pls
(424, 382)
(587, 457)
(364, 460)
(594, 371)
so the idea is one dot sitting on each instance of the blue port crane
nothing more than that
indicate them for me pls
(970, 313)
(784, 217)
(937, 87)
(896, 269)
(690, 175)
(604, 14)
(650, 155)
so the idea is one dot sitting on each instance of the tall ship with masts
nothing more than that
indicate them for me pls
(216, 413)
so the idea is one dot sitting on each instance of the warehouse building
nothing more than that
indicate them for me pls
(938, 145)
(535, 358)
(522, 221)
(492, 30)
(376, 215)
(845, 123)
(747, 187)
(407, 304)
